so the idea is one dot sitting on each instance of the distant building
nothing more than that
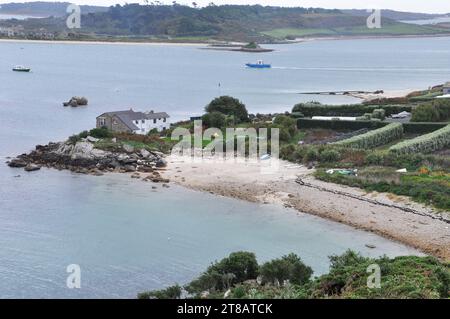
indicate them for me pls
(134, 122)
(446, 89)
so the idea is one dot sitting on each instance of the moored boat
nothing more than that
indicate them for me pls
(20, 68)
(259, 65)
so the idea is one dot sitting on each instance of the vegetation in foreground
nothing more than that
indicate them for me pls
(239, 276)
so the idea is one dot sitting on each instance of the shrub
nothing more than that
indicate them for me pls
(338, 125)
(329, 156)
(427, 143)
(100, 133)
(173, 292)
(374, 158)
(374, 138)
(435, 111)
(311, 155)
(379, 114)
(214, 119)
(317, 109)
(424, 113)
(402, 277)
(236, 268)
(297, 115)
(422, 127)
(288, 268)
(229, 106)
(74, 139)
(287, 152)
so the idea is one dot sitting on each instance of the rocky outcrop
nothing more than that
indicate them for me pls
(76, 101)
(83, 157)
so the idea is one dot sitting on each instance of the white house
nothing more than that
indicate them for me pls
(134, 122)
(446, 89)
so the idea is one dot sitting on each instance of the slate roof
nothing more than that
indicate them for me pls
(128, 117)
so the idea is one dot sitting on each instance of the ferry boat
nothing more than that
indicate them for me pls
(259, 65)
(20, 68)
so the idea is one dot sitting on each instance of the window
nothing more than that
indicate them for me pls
(154, 121)
(164, 120)
(102, 121)
(137, 122)
(142, 121)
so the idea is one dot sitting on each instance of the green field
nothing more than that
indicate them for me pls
(391, 29)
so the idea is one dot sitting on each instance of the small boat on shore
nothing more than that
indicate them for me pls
(20, 68)
(259, 65)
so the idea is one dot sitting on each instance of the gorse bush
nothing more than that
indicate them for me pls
(435, 111)
(374, 138)
(427, 143)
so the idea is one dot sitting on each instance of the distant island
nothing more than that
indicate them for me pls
(181, 23)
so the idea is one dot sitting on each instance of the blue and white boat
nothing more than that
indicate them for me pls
(259, 65)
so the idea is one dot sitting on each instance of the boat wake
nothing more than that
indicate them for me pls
(359, 69)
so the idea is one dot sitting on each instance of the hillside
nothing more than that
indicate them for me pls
(44, 9)
(396, 15)
(263, 24)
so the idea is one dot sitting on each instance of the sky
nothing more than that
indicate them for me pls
(426, 6)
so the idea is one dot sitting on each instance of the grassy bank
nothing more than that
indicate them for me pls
(240, 277)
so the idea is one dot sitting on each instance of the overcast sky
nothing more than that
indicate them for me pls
(429, 6)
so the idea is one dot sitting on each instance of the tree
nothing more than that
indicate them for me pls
(214, 119)
(236, 268)
(287, 268)
(229, 106)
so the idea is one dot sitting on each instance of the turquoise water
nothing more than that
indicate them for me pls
(127, 238)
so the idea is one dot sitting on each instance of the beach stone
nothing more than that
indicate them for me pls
(122, 157)
(32, 168)
(136, 176)
(17, 163)
(161, 163)
(129, 168)
(145, 153)
(128, 148)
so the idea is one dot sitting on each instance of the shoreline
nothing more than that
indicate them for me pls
(181, 43)
(396, 218)
(289, 185)
(388, 94)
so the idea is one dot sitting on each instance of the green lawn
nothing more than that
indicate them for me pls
(391, 29)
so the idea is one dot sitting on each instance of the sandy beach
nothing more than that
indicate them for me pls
(95, 42)
(387, 94)
(393, 217)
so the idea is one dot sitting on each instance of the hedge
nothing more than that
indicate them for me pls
(339, 124)
(427, 143)
(315, 109)
(422, 127)
(374, 138)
